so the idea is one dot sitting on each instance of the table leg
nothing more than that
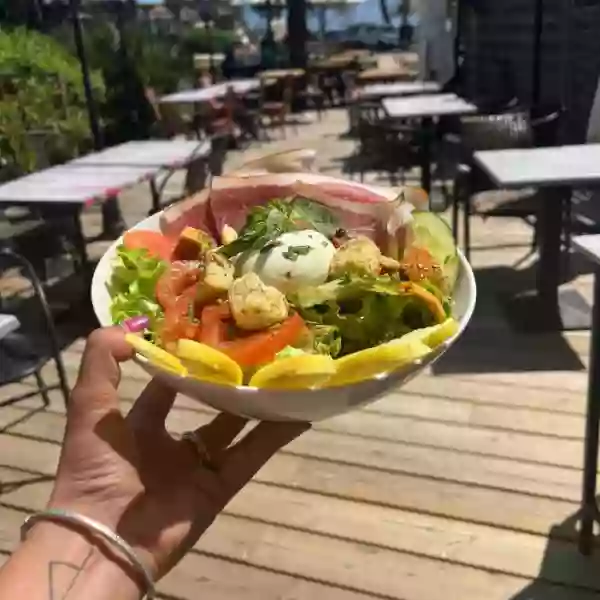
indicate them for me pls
(548, 308)
(426, 138)
(155, 196)
(81, 245)
(589, 507)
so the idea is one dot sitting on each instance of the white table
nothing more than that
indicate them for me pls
(157, 154)
(560, 165)
(240, 86)
(8, 324)
(74, 187)
(589, 245)
(79, 185)
(556, 169)
(427, 107)
(402, 88)
(169, 154)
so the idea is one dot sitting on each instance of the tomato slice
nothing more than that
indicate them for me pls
(179, 322)
(179, 277)
(176, 293)
(249, 349)
(154, 242)
(214, 326)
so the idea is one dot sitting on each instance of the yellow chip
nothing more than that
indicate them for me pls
(369, 363)
(295, 373)
(431, 336)
(207, 364)
(157, 356)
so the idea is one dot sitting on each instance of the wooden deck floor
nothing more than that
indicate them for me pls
(462, 486)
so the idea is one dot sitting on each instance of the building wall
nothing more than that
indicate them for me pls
(498, 41)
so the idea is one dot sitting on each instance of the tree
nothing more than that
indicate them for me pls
(385, 12)
(405, 11)
(297, 32)
(20, 12)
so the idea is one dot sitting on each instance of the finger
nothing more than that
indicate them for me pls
(99, 374)
(151, 409)
(220, 432)
(247, 457)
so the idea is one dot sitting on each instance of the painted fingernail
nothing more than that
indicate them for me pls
(136, 324)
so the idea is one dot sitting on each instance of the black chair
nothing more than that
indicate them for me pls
(384, 144)
(26, 351)
(513, 128)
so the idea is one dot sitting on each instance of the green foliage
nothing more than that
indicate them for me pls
(41, 91)
(201, 41)
(147, 60)
(158, 57)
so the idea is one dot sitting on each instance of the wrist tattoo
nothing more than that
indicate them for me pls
(56, 567)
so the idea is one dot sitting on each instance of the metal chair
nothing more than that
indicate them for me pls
(25, 352)
(514, 128)
(383, 144)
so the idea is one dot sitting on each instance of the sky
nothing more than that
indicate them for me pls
(366, 12)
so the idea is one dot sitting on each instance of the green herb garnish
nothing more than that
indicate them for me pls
(293, 252)
(267, 222)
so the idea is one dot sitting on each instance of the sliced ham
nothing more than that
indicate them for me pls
(191, 212)
(360, 209)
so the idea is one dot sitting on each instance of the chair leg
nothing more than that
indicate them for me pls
(62, 378)
(467, 226)
(43, 388)
(589, 508)
(567, 226)
(455, 207)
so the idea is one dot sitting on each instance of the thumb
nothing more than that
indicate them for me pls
(99, 373)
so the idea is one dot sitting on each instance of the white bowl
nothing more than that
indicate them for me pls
(280, 405)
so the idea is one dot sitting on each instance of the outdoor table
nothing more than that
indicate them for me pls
(427, 107)
(382, 75)
(8, 324)
(240, 86)
(401, 88)
(72, 188)
(160, 154)
(589, 245)
(281, 73)
(557, 169)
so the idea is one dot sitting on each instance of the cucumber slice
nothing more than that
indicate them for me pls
(433, 233)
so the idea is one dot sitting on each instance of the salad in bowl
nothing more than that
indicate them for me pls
(288, 296)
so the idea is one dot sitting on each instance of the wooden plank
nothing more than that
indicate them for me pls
(495, 394)
(521, 512)
(383, 527)
(517, 446)
(537, 381)
(201, 576)
(380, 571)
(453, 410)
(519, 419)
(346, 564)
(442, 464)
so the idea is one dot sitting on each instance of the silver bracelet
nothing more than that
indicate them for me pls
(73, 518)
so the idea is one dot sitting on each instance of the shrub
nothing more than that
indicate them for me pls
(41, 90)
(201, 41)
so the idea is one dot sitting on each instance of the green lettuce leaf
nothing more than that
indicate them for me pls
(132, 286)
(365, 311)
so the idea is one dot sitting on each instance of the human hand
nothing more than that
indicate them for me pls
(129, 473)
